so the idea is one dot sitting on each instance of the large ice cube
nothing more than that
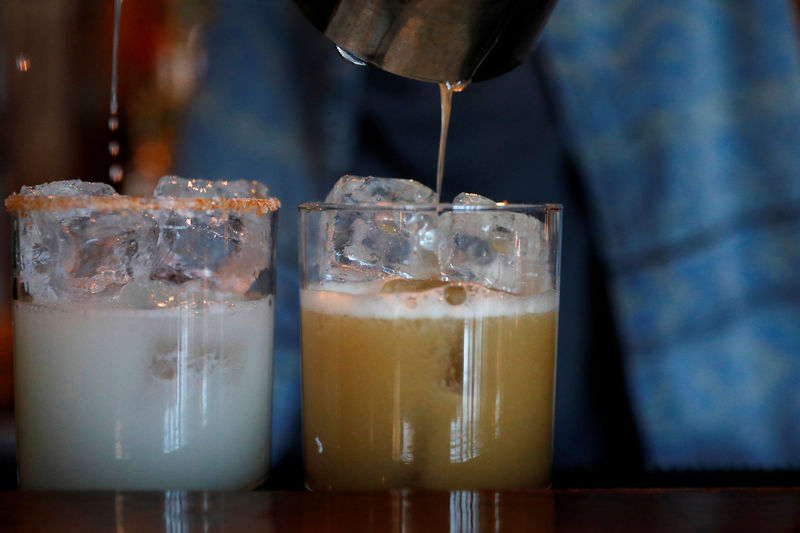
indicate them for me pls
(368, 244)
(222, 249)
(69, 188)
(177, 187)
(497, 249)
(145, 293)
(370, 190)
(98, 254)
(73, 255)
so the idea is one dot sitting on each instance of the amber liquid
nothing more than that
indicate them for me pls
(440, 403)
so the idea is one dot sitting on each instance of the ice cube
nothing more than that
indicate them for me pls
(192, 246)
(97, 254)
(73, 255)
(469, 198)
(498, 249)
(370, 190)
(224, 250)
(177, 187)
(371, 244)
(145, 293)
(245, 272)
(69, 188)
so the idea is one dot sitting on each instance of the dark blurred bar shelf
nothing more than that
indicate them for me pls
(729, 509)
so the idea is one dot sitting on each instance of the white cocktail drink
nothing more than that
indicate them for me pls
(143, 334)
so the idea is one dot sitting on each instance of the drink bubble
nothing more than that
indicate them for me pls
(113, 148)
(113, 123)
(455, 294)
(115, 173)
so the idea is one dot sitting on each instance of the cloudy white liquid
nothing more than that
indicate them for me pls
(110, 398)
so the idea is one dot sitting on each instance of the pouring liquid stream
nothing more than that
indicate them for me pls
(446, 90)
(115, 169)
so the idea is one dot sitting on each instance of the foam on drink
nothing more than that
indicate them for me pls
(365, 300)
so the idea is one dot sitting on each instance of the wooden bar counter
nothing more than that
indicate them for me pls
(674, 510)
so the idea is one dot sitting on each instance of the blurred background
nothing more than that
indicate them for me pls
(247, 89)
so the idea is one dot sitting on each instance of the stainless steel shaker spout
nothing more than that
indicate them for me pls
(433, 40)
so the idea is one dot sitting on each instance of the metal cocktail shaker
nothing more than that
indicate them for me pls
(433, 40)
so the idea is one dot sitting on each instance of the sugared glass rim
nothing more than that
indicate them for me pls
(22, 203)
(389, 206)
